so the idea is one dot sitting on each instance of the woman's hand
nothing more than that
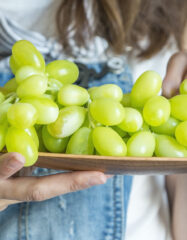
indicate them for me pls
(15, 189)
(176, 185)
(176, 73)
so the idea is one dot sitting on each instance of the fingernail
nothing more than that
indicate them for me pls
(96, 180)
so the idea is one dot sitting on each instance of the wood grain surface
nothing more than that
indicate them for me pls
(113, 165)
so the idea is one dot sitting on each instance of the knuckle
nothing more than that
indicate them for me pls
(75, 185)
(36, 194)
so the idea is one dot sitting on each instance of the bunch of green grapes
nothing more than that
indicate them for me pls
(41, 109)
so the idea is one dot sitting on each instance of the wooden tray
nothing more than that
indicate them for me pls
(113, 165)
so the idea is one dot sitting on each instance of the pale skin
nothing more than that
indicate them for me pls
(13, 190)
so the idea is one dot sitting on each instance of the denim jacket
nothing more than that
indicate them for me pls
(98, 213)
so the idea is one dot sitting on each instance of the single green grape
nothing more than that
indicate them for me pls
(17, 140)
(25, 54)
(10, 86)
(13, 65)
(48, 96)
(178, 107)
(41, 147)
(33, 86)
(72, 95)
(91, 89)
(183, 87)
(52, 144)
(108, 143)
(107, 91)
(126, 100)
(141, 144)
(181, 133)
(3, 111)
(156, 111)
(167, 128)
(2, 97)
(32, 133)
(22, 115)
(144, 127)
(47, 110)
(3, 132)
(146, 86)
(63, 70)
(133, 120)
(167, 146)
(69, 120)
(107, 111)
(81, 142)
(26, 71)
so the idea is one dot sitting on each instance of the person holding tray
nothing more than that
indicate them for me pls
(111, 42)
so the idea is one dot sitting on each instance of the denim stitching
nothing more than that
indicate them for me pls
(26, 221)
(19, 220)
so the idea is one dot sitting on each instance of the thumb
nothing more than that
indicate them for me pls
(10, 163)
(176, 70)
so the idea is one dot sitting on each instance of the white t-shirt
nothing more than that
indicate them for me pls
(148, 214)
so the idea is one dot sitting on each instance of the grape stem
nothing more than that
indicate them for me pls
(10, 98)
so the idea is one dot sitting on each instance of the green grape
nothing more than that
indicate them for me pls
(179, 106)
(183, 87)
(107, 111)
(70, 95)
(52, 144)
(47, 110)
(167, 128)
(144, 127)
(32, 133)
(48, 96)
(10, 86)
(17, 140)
(121, 132)
(141, 144)
(3, 131)
(25, 54)
(2, 97)
(181, 133)
(126, 100)
(13, 65)
(81, 142)
(167, 146)
(63, 70)
(25, 72)
(69, 120)
(22, 115)
(133, 120)
(3, 111)
(146, 86)
(91, 89)
(33, 86)
(42, 147)
(156, 111)
(108, 143)
(107, 91)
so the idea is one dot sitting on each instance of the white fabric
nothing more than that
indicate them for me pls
(148, 215)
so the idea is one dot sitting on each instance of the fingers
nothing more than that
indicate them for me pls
(10, 163)
(42, 188)
(176, 72)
